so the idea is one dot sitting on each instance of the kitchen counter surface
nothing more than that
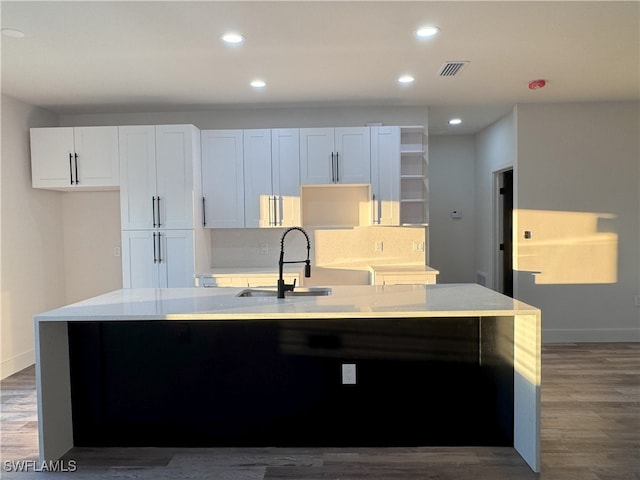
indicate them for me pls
(403, 269)
(362, 301)
(500, 320)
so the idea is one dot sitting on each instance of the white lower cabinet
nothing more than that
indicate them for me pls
(158, 258)
(404, 275)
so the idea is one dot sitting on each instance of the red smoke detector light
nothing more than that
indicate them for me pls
(537, 84)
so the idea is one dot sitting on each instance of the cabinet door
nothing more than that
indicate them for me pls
(257, 178)
(98, 161)
(139, 259)
(137, 177)
(50, 163)
(317, 153)
(385, 175)
(353, 150)
(176, 259)
(223, 178)
(174, 176)
(285, 170)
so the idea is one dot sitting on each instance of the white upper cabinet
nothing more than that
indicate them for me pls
(353, 155)
(285, 175)
(75, 158)
(317, 155)
(258, 190)
(223, 178)
(335, 155)
(178, 175)
(271, 178)
(385, 175)
(160, 177)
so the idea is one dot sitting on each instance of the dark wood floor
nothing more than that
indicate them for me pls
(590, 431)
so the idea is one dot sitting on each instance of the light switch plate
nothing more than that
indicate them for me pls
(348, 373)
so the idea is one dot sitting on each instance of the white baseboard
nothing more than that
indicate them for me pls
(16, 363)
(592, 335)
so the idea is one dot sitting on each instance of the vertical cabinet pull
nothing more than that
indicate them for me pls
(379, 210)
(155, 253)
(159, 248)
(71, 168)
(373, 209)
(153, 212)
(333, 168)
(280, 210)
(204, 214)
(159, 224)
(337, 168)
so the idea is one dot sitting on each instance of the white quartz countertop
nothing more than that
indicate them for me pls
(403, 269)
(361, 301)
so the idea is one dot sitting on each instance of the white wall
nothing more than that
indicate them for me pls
(577, 191)
(495, 151)
(32, 258)
(452, 244)
(262, 117)
(91, 232)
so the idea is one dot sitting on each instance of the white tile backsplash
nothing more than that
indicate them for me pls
(260, 247)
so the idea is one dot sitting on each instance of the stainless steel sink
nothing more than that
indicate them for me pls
(298, 292)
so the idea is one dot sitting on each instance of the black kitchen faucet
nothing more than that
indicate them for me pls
(285, 287)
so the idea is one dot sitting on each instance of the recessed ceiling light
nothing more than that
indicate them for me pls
(455, 121)
(427, 31)
(232, 38)
(12, 32)
(258, 84)
(406, 79)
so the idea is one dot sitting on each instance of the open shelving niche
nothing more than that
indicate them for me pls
(414, 178)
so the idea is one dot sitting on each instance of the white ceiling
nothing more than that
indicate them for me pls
(124, 56)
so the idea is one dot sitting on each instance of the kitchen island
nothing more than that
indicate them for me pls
(447, 364)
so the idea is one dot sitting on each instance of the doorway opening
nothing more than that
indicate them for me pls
(503, 247)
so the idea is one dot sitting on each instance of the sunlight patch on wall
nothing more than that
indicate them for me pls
(566, 247)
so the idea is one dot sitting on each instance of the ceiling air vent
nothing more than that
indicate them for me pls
(449, 69)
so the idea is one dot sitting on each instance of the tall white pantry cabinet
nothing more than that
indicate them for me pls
(160, 205)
